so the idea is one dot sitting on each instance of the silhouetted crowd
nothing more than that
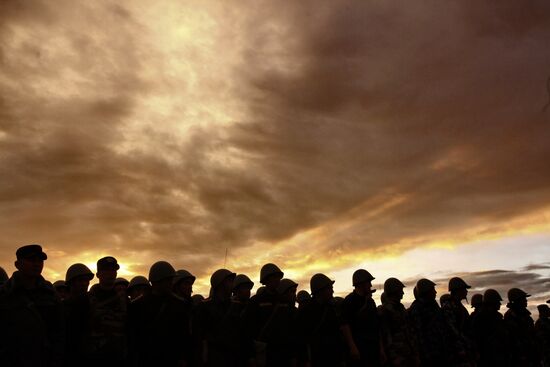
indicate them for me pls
(156, 321)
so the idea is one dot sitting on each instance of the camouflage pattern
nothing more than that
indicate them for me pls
(398, 339)
(437, 343)
(31, 324)
(107, 341)
(542, 330)
(521, 328)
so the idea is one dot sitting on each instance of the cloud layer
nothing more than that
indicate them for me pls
(310, 134)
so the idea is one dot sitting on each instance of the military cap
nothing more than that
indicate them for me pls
(318, 282)
(268, 270)
(361, 276)
(77, 270)
(285, 285)
(302, 296)
(515, 294)
(219, 276)
(122, 281)
(161, 270)
(138, 280)
(392, 285)
(457, 283)
(107, 263)
(242, 279)
(59, 284)
(183, 274)
(491, 296)
(424, 285)
(31, 251)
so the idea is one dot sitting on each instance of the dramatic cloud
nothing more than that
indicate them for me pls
(307, 134)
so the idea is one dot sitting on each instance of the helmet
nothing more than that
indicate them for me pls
(318, 282)
(219, 276)
(121, 281)
(477, 300)
(457, 283)
(491, 296)
(3, 275)
(393, 285)
(138, 280)
(285, 285)
(302, 296)
(269, 269)
(183, 274)
(161, 270)
(260, 290)
(77, 270)
(543, 309)
(242, 279)
(59, 284)
(516, 294)
(361, 276)
(424, 285)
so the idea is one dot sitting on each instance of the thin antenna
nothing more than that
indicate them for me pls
(225, 260)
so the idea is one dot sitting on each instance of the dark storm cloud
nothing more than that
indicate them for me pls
(348, 106)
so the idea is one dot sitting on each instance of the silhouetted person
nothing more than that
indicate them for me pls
(160, 323)
(360, 324)
(490, 334)
(107, 343)
(444, 299)
(242, 285)
(214, 323)
(258, 314)
(197, 299)
(77, 313)
(436, 341)
(457, 315)
(31, 316)
(321, 338)
(542, 330)
(138, 287)
(522, 329)
(302, 297)
(61, 289)
(398, 339)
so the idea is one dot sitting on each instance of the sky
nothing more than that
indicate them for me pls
(411, 140)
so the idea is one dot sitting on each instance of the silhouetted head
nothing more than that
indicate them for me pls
(242, 285)
(491, 300)
(477, 300)
(61, 289)
(444, 299)
(197, 299)
(425, 289)
(183, 283)
(78, 278)
(107, 268)
(138, 287)
(222, 283)
(517, 298)
(321, 287)
(287, 291)
(3, 276)
(362, 282)
(30, 261)
(302, 297)
(270, 276)
(393, 289)
(544, 311)
(458, 288)
(161, 276)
